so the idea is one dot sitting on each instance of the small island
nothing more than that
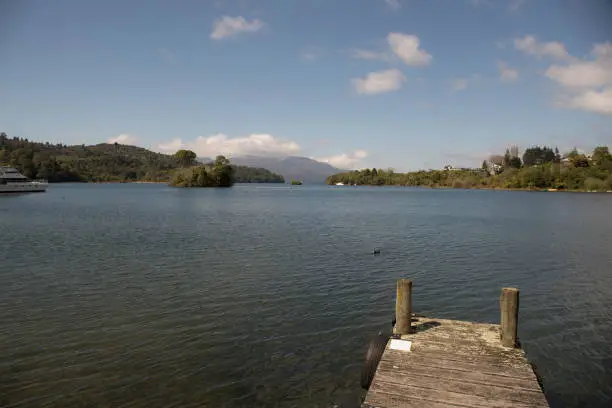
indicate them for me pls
(218, 174)
(296, 183)
(540, 168)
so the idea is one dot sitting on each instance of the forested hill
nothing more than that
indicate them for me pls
(245, 174)
(102, 162)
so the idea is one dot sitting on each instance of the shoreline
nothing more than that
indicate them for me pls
(110, 182)
(533, 190)
(146, 182)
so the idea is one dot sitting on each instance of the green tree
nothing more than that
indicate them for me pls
(594, 184)
(580, 160)
(533, 177)
(185, 157)
(4, 156)
(557, 155)
(572, 154)
(223, 171)
(535, 156)
(507, 158)
(515, 162)
(218, 174)
(601, 155)
(203, 178)
(608, 183)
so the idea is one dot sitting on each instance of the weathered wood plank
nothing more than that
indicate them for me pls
(436, 394)
(500, 358)
(481, 388)
(386, 400)
(407, 360)
(465, 348)
(471, 376)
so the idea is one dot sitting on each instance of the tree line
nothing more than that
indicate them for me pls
(105, 163)
(538, 168)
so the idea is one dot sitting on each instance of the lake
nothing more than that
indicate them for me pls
(141, 295)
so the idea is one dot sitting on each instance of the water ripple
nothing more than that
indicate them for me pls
(146, 296)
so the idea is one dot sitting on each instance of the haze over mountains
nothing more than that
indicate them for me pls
(291, 167)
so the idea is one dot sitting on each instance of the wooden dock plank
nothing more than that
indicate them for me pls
(440, 361)
(399, 401)
(482, 389)
(454, 363)
(409, 393)
(462, 375)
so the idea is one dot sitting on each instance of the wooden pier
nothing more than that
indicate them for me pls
(435, 363)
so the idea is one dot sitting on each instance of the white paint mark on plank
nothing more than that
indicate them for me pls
(401, 345)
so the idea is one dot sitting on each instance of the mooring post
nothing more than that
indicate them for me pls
(403, 306)
(509, 304)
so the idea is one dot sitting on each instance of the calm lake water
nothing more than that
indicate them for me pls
(266, 296)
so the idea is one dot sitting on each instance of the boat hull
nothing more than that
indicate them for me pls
(23, 187)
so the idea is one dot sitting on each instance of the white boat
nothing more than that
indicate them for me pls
(340, 184)
(12, 181)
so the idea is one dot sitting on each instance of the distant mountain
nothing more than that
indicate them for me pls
(291, 168)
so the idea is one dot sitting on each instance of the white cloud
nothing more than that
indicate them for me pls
(370, 55)
(379, 82)
(585, 73)
(460, 84)
(345, 160)
(393, 4)
(254, 144)
(124, 138)
(506, 73)
(591, 100)
(530, 45)
(584, 84)
(172, 146)
(406, 47)
(228, 26)
(602, 50)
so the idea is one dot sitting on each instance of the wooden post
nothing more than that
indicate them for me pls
(509, 304)
(403, 306)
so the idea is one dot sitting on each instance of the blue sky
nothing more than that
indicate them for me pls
(406, 84)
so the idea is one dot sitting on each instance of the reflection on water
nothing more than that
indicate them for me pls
(143, 295)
